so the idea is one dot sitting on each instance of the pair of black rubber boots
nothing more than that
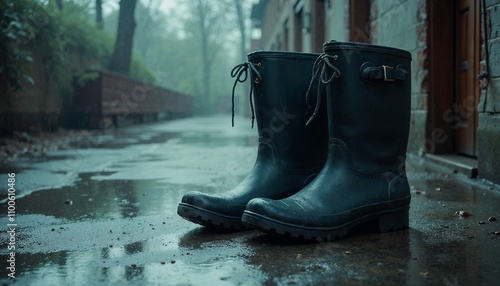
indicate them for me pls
(320, 173)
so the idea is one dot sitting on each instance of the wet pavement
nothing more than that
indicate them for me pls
(103, 212)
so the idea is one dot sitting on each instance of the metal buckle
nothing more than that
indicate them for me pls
(385, 73)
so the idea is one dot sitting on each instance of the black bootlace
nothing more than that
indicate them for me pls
(321, 68)
(240, 72)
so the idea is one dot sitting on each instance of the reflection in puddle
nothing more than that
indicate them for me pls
(107, 215)
(88, 199)
(136, 263)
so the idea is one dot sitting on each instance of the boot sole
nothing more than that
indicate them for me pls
(209, 218)
(383, 222)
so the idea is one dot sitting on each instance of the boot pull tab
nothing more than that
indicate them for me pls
(370, 72)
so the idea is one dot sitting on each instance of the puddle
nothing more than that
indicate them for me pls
(106, 215)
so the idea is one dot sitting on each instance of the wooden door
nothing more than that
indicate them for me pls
(467, 51)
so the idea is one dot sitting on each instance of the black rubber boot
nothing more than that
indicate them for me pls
(364, 178)
(290, 153)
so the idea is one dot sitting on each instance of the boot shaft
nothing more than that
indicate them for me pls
(369, 103)
(280, 108)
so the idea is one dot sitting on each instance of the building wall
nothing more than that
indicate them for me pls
(402, 24)
(336, 21)
(396, 23)
(489, 106)
(271, 27)
(280, 26)
(405, 24)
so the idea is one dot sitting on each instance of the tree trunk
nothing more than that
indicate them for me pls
(244, 105)
(59, 4)
(98, 14)
(241, 26)
(202, 12)
(120, 62)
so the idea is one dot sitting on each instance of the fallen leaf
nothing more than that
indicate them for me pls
(463, 213)
(425, 274)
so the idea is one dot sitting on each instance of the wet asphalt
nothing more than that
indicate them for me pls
(103, 212)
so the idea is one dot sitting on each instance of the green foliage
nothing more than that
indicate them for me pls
(141, 71)
(81, 78)
(91, 43)
(17, 28)
(67, 42)
(55, 36)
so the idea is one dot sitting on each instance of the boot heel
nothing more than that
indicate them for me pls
(393, 222)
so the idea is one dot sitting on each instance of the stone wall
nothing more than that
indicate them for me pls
(403, 24)
(406, 24)
(489, 106)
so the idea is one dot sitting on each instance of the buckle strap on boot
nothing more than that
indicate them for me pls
(240, 72)
(324, 72)
(386, 73)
